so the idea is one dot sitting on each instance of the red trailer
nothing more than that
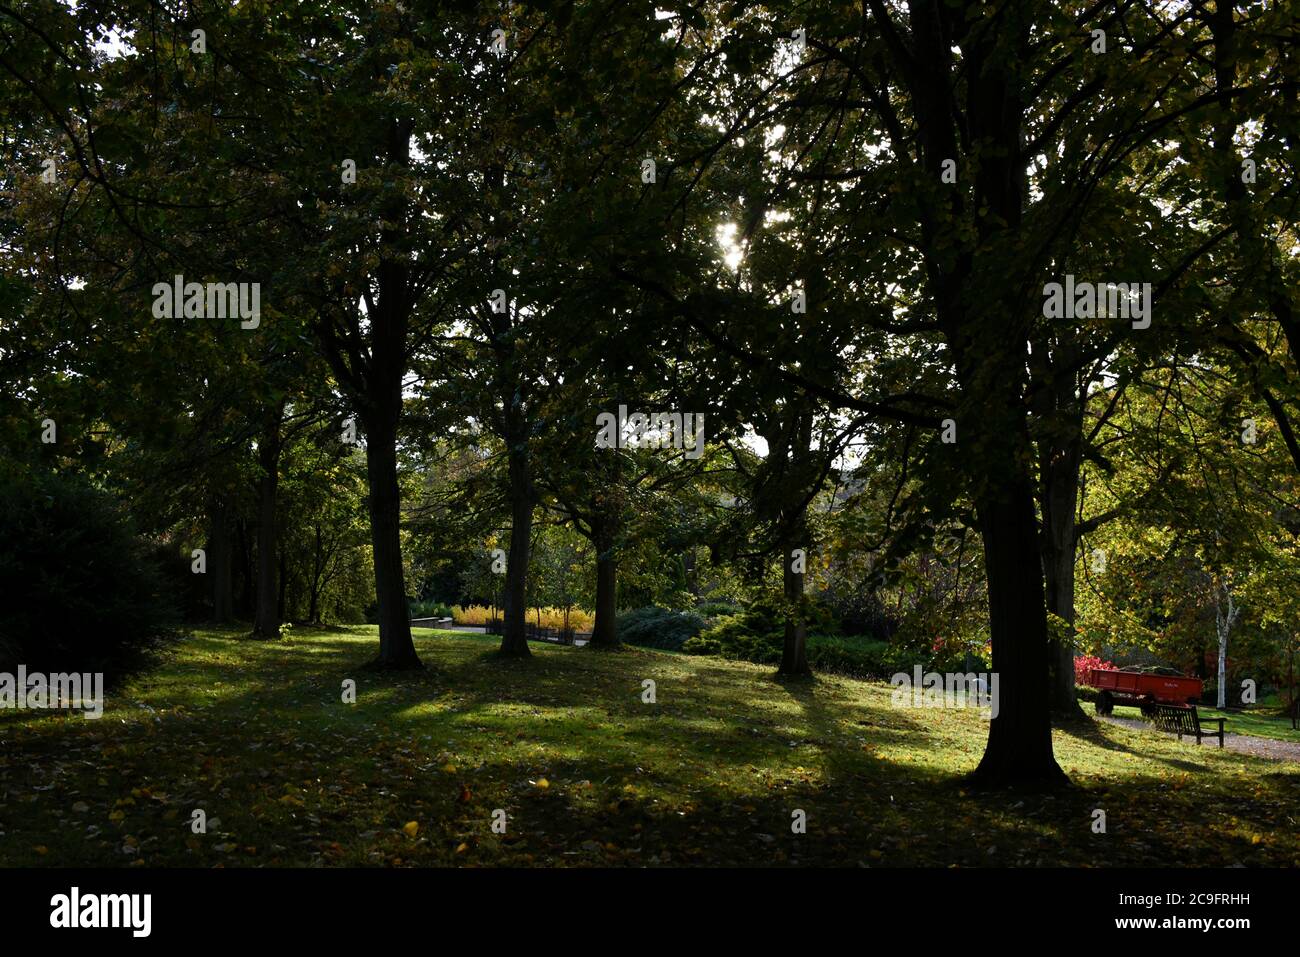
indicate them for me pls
(1142, 688)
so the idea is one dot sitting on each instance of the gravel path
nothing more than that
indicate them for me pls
(1246, 744)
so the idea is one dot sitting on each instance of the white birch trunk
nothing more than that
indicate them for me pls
(1224, 617)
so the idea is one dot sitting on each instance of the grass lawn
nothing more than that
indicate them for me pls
(1257, 724)
(256, 735)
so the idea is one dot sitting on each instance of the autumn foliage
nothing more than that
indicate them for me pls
(1084, 663)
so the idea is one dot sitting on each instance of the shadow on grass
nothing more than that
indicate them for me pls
(1092, 733)
(712, 773)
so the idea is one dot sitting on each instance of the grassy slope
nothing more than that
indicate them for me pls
(256, 735)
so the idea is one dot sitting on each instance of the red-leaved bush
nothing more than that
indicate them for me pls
(1084, 662)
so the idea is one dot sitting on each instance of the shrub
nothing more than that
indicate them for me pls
(579, 619)
(473, 614)
(1084, 663)
(857, 655)
(716, 609)
(758, 636)
(748, 636)
(82, 591)
(655, 627)
(430, 609)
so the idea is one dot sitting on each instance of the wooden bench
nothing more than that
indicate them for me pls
(557, 636)
(1182, 721)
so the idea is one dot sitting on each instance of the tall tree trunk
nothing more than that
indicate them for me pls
(219, 562)
(988, 339)
(1059, 576)
(396, 649)
(793, 478)
(381, 411)
(514, 637)
(1058, 504)
(794, 648)
(266, 614)
(1019, 749)
(794, 651)
(247, 577)
(1020, 736)
(284, 585)
(604, 632)
(314, 589)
